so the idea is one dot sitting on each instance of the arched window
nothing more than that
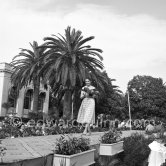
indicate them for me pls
(28, 99)
(41, 100)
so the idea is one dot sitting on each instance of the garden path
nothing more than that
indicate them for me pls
(33, 147)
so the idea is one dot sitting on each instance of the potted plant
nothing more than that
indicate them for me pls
(111, 143)
(73, 151)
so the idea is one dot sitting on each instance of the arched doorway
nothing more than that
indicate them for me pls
(28, 99)
(42, 96)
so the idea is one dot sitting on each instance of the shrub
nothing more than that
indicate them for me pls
(99, 129)
(9, 131)
(136, 149)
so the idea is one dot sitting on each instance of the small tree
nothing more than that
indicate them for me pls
(7, 106)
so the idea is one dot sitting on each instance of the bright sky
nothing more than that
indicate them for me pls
(131, 33)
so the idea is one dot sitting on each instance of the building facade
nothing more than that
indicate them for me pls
(21, 104)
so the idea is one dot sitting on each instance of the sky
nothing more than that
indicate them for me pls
(131, 33)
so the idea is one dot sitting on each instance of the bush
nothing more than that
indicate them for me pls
(9, 131)
(99, 129)
(136, 149)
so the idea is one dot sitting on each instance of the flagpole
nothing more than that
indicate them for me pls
(129, 107)
(72, 108)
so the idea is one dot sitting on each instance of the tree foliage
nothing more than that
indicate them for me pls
(147, 96)
(111, 99)
(70, 60)
(26, 66)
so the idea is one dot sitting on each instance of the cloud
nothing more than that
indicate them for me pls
(131, 44)
(40, 6)
(127, 7)
(125, 40)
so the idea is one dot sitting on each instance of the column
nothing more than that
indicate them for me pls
(20, 103)
(5, 85)
(46, 103)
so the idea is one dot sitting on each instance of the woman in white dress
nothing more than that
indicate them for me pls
(86, 112)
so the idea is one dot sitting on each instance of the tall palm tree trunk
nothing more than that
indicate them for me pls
(76, 103)
(36, 95)
(67, 104)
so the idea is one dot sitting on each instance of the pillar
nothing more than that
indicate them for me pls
(5, 84)
(20, 103)
(46, 103)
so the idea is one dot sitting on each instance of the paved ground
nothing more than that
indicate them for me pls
(34, 147)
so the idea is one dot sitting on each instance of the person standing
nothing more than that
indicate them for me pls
(86, 114)
(150, 127)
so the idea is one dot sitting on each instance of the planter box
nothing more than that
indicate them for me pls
(81, 159)
(111, 149)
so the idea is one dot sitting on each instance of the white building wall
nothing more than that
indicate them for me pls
(5, 85)
(1, 93)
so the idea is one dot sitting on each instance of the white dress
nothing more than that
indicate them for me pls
(86, 112)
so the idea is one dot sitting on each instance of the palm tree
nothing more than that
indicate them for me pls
(27, 65)
(69, 62)
(110, 97)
